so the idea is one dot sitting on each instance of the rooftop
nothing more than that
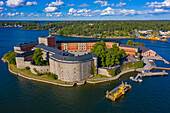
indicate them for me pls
(143, 49)
(26, 54)
(46, 36)
(85, 41)
(69, 58)
(51, 49)
(60, 55)
(130, 46)
(26, 44)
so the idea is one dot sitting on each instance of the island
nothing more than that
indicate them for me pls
(69, 63)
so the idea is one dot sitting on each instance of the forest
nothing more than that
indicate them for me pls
(101, 29)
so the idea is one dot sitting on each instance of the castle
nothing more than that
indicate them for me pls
(71, 61)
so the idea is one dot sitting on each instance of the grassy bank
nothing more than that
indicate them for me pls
(99, 76)
(27, 73)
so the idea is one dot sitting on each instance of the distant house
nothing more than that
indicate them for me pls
(164, 32)
(91, 24)
(142, 31)
(146, 51)
(98, 35)
(131, 50)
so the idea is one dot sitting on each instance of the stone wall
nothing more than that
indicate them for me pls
(41, 69)
(71, 71)
(20, 62)
(103, 71)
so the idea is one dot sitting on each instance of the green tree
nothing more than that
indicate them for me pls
(113, 60)
(93, 70)
(117, 61)
(108, 59)
(38, 59)
(10, 56)
(103, 61)
(130, 42)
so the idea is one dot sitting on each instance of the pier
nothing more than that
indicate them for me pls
(154, 74)
(162, 68)
(148, 74)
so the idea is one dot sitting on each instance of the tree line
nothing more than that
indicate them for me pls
(105, 28)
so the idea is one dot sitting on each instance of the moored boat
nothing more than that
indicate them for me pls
(118, 91)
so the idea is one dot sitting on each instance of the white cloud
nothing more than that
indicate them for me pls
(53, 6)
(124, 12)
(2, 14)
(12, 14)
(165, 4)
(31, 3)
(49, 15)
(56, 4)
(50, 9)
(1, 3)
(37, 15)
(79, 12)
(15, 3)
(31, 14)
(1, 9)
(22, 14)
(102, 3)
(106, 12)
(71, 11)
(120, 4)
(159, 11)
(84, 5)
(70, 5)
(55, 14)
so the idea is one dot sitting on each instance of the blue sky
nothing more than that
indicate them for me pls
(84, 10)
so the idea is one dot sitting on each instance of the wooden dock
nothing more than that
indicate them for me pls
(147, 74)
(154, 74)
(162, 68)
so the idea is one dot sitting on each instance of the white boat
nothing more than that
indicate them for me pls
(131, 78)
(140, 80)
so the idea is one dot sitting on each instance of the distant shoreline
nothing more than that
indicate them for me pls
(81, 36)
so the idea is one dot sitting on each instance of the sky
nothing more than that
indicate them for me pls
(84, 9)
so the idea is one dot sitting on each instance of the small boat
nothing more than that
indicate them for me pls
(131, 78)
(118, 91)
(140, 80)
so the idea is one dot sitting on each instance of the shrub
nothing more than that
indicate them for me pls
(27, 68)
(112, 72)
(7, 54)
(38, 73)
(10, 56)
(35, 70)
(51, 75)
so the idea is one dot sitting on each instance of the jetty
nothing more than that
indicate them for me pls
(148, 74)
(162, 68)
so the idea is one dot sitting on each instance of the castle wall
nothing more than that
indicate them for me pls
(20, 62)
(71, 71)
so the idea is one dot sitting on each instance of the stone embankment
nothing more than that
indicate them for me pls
(29, 78)
(100, 80)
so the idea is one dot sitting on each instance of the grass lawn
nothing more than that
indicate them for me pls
(99, 76)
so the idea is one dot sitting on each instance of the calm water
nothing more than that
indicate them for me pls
(20, 95)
